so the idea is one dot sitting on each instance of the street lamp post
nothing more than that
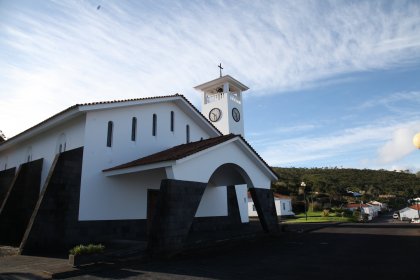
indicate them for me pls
(303, 185)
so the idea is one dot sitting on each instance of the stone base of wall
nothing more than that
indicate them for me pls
(173, 216)
(266, 209)
(54, 225)
(6, 179)
(20, 202)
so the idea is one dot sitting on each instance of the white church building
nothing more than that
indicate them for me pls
(154, 167)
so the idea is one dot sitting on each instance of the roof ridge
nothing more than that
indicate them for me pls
(107, 102)
(177, 152)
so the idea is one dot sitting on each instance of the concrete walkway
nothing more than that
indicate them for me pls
(35, 267)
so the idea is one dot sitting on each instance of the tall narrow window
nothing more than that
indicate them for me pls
(133, 128)
(154, 125)
(187, 131)
(29, 154)
(109, 134)
(61, 143)
(172, 120)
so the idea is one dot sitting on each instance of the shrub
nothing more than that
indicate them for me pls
(87, 249)
(325, 213)
(316, 206)
(347, 213)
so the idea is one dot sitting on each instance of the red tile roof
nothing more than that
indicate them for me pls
(184, 150)
(276, 195)
(108, 102)
(356, 205)
(177, 152)
(415, 206)
(281, 196)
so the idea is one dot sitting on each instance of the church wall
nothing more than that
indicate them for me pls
(212, 159)
(45, 146)
(125, 197)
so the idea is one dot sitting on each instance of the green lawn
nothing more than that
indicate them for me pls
(316, 217)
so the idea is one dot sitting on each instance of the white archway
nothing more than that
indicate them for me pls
(230, 174)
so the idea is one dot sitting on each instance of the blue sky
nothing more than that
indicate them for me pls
(332, 83)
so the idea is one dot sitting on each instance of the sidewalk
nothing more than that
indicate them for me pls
(35, 267)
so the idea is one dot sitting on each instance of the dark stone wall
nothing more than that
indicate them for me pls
(58, 207)
(266, 209)
(175, 209)
(54, 224)
(20, 202)
(6, 179)
(233, 207)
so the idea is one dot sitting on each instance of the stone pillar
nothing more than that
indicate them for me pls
(20, 202)
(54, 221)
(6, 179)
(266, 209)
(176, 206)
(233, 207)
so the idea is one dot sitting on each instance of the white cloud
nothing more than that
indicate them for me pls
(400, 145)
(59, 53)
(392, 141)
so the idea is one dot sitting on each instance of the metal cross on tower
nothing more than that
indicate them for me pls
(220, 66)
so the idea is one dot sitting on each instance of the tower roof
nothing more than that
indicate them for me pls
(220, 81)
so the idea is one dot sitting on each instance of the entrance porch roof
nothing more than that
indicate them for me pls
(184, 152)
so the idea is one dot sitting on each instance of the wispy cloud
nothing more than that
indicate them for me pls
(392, 101)
(385, 143)
(400, 144)
(57, 53)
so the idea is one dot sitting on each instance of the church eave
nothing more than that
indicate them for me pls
(222, 80)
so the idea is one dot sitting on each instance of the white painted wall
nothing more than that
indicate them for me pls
(252, 210)
(284, 207)
(225, 102)
(409, 213)
(103, 198)
(242, 197)
(210, 160)
(213, 202)
(45, 145)
(279, 202)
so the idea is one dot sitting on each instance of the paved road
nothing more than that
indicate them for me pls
(380, 250)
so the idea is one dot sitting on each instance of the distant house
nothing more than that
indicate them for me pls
(382, 206)
(371, 211)
(410, 212)
(283, 206)
(387, 196)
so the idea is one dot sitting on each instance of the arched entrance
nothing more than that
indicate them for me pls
(230, 174)
(178, 205)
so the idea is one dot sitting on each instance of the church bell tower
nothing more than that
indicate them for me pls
(222, 104)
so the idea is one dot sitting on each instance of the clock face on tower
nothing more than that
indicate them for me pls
(236, 115)
(215, 114)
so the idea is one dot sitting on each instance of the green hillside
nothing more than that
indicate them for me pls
(333, 184)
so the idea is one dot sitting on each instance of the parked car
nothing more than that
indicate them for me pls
(415, 221)
(395, 215)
